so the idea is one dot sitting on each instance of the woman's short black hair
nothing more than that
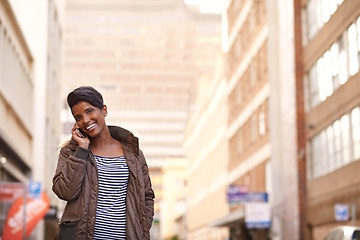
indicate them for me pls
(86, 94)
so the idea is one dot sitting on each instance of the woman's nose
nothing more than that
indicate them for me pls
(86, 119)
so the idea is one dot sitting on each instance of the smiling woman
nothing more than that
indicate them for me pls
(93, 176)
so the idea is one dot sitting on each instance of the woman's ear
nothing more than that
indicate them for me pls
(104, 110)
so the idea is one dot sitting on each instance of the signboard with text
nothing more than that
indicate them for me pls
(11, 191)
(257, 215)
(236, 194)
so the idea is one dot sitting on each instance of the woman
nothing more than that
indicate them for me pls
(103, 176)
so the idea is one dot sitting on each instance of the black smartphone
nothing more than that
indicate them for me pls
(82, 135)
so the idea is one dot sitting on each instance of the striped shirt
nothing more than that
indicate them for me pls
(110, 220)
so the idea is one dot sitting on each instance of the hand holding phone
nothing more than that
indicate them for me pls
(79, 137)
(79, 133)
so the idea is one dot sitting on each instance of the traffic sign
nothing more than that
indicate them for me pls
(34, 189)
(341, 212)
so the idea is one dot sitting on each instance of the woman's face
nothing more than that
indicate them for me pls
(90, 119)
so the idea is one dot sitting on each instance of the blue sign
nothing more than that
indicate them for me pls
(341, 212)
(236, 194)
(34, 189)
(258, 225)
(257, 197)
(239, 194)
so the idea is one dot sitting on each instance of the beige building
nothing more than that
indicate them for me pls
(207, 152)
(17, 99)
(173, 204)
(330, 61)
(247, 93)
(30, 56)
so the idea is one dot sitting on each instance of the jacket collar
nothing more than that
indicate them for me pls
(125, 137)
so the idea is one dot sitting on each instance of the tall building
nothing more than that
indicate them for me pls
(206, 146)
(146, 58)
(329, 55)
(247, 92)
(17, 99)
(306, 60)
(174, 197)
(30, 75)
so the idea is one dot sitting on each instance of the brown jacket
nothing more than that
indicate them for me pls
(76, 181)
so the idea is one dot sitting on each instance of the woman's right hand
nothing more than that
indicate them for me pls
(77, 136)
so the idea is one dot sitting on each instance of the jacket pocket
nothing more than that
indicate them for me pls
(67, 231)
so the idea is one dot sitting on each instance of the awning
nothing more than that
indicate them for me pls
(233, 218)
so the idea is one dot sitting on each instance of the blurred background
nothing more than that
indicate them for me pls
(248, 111)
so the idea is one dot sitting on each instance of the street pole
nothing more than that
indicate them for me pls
(353, 214)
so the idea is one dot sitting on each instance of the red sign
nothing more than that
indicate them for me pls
(11, 191)
(35, 210)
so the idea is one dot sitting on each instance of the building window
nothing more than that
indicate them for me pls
(340, 62)
(355, 125)
(336, 146)
(318, 12)
(262, 128)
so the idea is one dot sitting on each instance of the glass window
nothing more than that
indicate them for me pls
(314, 89)
(353, 50)
(330, 142)
(326, 10)
(318, 12)
(355, 120)
(321, 79)
(335, 146)
(327, 74)
(345, 139)
(343, 74)
(262, 123)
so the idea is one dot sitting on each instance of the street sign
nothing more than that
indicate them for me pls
(341, 212)
(257, 197)
(34, 189)
(257, 215)
(236, 194)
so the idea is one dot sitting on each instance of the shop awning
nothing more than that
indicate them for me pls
(229, 220)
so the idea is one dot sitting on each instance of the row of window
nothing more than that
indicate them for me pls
(247, 34)
(335, 67)
(250, 132)
(335, 146)
(317, 13)
(233, 12)
(253, 78)
(15, 81)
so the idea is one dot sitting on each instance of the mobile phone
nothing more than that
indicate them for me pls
(82, 135)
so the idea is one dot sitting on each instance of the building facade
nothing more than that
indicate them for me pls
(173, 204)
(330, 59)
(207, 152)
(248, 92)
(30, 77)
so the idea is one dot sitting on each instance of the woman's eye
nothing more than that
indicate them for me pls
(89, 110)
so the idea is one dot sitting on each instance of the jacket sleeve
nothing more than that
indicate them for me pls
(149, 193)
(70, 172)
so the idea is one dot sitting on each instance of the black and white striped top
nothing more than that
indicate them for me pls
(111, 207)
